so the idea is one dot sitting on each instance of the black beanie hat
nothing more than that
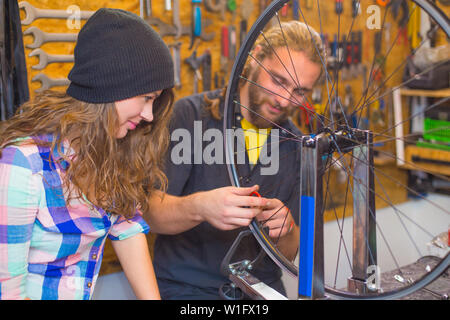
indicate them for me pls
(118, 56)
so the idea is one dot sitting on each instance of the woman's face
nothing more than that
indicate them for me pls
(134, 110)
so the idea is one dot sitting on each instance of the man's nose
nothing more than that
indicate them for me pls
(286, 98)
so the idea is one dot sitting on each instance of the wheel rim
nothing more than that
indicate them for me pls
(270, 248)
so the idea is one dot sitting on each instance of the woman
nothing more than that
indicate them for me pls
(79, 166)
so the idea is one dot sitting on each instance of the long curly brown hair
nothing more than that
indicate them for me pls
(118, 175)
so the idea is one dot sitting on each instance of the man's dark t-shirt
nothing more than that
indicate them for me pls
(187, 265)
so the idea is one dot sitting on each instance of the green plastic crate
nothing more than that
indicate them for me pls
(432, 131)
(426, 144)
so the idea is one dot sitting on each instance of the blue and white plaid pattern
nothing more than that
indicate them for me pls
(48, 249)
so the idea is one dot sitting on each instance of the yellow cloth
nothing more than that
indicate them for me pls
(254, 140)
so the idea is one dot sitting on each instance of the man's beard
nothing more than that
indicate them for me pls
(256, 99)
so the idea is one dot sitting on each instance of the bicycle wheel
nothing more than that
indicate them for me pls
(347, 59)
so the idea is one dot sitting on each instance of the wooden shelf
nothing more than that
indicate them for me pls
(442, 93)
(383, 159)
(427, 156)
(399, 120)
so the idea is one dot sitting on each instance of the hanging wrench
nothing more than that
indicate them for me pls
(176, 18)
(169, 30)
(47, 83)
(218, 6)
(196, 21)
(32, 13)
(164, 29)
(45, 58)
(187, 30)
(176, 57)
(41, 37)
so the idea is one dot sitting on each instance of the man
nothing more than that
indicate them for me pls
(201, 215)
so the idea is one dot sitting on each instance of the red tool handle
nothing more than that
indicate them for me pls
(225, 42)
(256, 194)
(284, 10)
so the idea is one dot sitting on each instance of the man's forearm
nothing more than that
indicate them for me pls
(171, 214)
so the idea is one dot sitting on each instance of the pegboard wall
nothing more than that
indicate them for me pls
(214, 25)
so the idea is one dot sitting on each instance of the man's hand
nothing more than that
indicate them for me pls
(229, 208)
(276, 216)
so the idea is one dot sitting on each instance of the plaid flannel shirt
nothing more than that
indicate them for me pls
(49, 250)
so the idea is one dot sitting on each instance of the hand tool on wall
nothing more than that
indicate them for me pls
(176, 57)
(354, 55)
(224, 53)
(145, 8)
(346, 58)
(216, 80)
(40, 37)
(319, 108)
(339, 8)
(356, 8)
(168, 5)
(195, 63)
(165, 29)
(349, 100)
(176, 18)
(377, 116)
(148, 7)
(206, 70)
(295, 10)
(32, 13)
(352, 60)
(196, 21)
(242, 31)
(48, 83)
(45, 58)
(246, 10)
(387, 34)
(231, 5)
(333, 59)
(402, 20)
(358, 53)
(231, 43)
(284, 10)
(217, 6)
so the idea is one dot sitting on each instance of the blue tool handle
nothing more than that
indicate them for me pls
(334, 46)
(197, 22)
(295, 10)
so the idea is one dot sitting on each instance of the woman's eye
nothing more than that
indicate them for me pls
(147, 98)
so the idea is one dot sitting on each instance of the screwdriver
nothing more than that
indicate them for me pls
(339, 7)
